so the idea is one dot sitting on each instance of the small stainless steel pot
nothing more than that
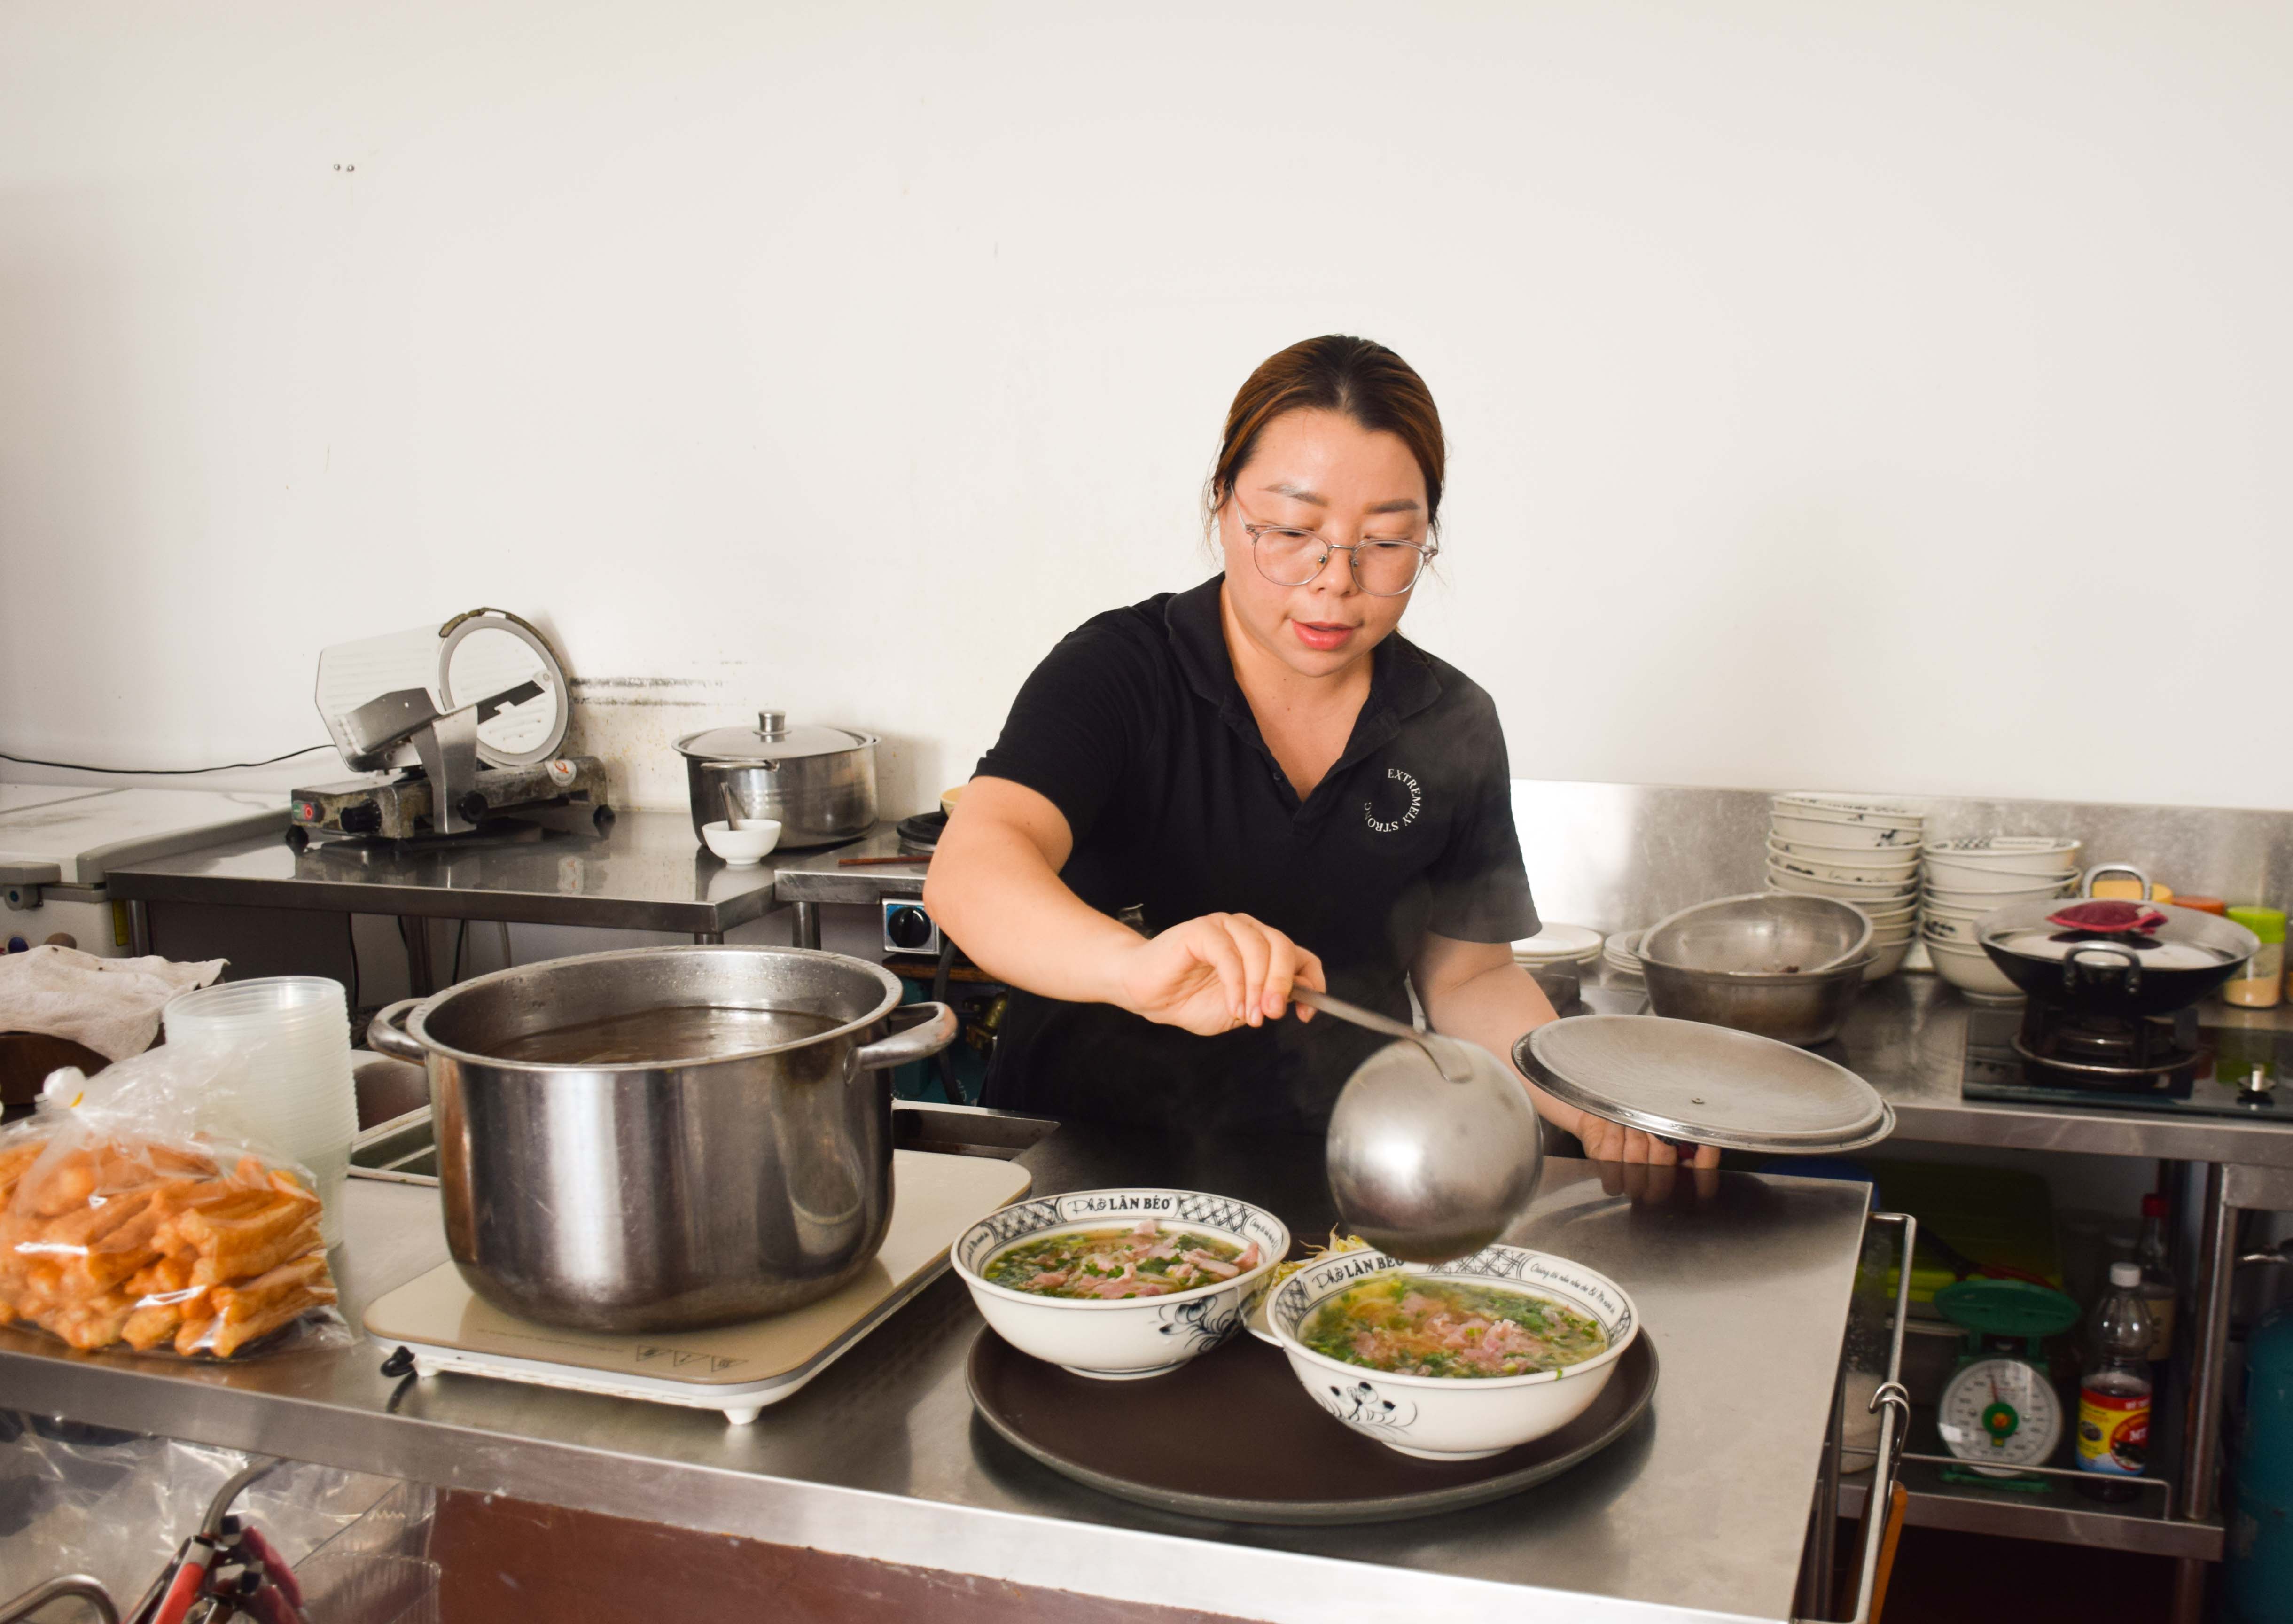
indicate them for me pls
(664, 1194)
(818, 784)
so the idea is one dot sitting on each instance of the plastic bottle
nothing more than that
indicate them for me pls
(2155, 1256)
(2113, 1418)
(2262, 982)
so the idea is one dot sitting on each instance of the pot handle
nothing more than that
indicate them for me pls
(2100, 869)
(2102, 950)
(385, 1036)
(935, 1032)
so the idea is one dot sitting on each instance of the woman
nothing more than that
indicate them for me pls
(1289, 792)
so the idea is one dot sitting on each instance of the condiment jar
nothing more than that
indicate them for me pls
(2262, 982)
(2130, 890)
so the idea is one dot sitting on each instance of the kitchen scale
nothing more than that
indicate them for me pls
(456, 728)
(740, 1369)
(1999, 1410)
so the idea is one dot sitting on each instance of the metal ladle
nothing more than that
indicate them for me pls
(1434, 1146)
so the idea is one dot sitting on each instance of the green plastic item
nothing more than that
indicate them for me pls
(2005, 1312)
(2267, 923)
(1991, 1214)
(2007, 1308)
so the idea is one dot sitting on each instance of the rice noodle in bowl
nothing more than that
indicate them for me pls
(1443, 1318)
(1118, 1284)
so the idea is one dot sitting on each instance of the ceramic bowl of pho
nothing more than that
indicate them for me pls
(1455, 1361)
(1119, 1283)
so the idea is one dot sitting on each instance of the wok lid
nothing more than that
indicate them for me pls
(2187, 940)
(1706, 1084)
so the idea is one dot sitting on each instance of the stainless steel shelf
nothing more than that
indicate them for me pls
(881, 1456)
(1933, 1503)
(645, 873)
(816, 877)
(1906, 1036)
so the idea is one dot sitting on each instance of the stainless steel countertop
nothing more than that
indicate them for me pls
(1743, 1280)
(1907, 1036)
(817, 876)
(645, 873)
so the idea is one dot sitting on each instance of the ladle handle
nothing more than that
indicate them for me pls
(1443, 1062)
(1355, 1013)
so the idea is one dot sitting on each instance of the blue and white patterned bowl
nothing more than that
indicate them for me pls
(1441, 1417)
(1131, 1336)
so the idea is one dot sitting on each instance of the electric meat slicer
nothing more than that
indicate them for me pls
(456, 728)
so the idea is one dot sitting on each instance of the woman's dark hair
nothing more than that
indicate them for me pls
(1363, 379)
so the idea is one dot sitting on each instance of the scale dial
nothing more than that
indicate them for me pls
(2000, 1413)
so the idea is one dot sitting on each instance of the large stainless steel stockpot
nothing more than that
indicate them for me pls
(818, 783)
(666, 1191)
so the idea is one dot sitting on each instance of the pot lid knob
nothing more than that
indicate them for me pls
(772, 724)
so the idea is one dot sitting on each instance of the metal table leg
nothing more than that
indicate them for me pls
(1817, 1580)
(807, 929)
(1892, 1405)
(2202, 1445)
(423, 977)
(708, 938)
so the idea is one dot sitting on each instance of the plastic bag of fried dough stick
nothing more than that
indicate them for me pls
(127, 1222)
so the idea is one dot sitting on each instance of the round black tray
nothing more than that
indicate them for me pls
(1232, 1435)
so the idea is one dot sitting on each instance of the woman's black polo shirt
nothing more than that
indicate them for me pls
(1135, 728)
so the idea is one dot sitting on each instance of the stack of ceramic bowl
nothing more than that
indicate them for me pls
(292, 1094)
(1860, 851)
(1622, 955)
(1967, 879)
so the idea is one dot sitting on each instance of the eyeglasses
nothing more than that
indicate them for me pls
(1292, 557)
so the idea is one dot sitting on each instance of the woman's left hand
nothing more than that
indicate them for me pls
(1611, 1141)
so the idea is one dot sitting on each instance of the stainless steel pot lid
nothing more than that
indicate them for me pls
(1705, 1084)
(771, 739)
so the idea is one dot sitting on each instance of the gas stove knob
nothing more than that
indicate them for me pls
(907, 928)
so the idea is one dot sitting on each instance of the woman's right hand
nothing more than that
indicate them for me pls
(1215, 973)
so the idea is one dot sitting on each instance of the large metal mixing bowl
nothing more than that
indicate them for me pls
(1762, 934)
(1793, 1008)
(746, 1173)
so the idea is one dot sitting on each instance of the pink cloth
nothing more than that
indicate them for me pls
(2108, 918)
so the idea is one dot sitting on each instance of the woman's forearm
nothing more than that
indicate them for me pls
(1493, 1008)
(994, 894)
(995, 889)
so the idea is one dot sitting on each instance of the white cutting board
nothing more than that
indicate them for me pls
(84, 833)
(740, 1368)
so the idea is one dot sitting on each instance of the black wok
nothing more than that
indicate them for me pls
(2108, 975)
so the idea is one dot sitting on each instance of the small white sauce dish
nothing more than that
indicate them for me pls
(1122, 1338)
(1439, 1417)
(743, 844)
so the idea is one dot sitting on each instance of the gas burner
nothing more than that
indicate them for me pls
(919, 835)
(2113, 1051)
(2022, 1057)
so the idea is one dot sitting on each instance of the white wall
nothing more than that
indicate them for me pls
(1885, 395)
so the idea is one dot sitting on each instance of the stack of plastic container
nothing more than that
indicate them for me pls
(293, 1095)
